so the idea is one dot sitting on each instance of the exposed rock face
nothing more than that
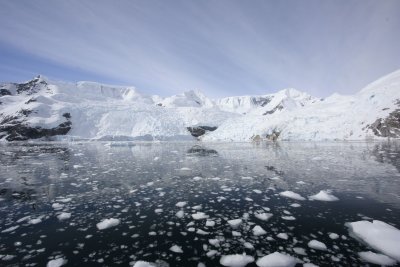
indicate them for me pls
(197, 131)
(201, 151)
(4, 92)
(273, 136)
(387, 127)
(15, 130)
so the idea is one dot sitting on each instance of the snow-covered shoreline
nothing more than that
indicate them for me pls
(53, 110)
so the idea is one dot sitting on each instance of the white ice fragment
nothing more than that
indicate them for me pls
(185, 169)
(35, 221)
(201, 232)
(10, 229)
(235, 223)
(263, 216)
(181, 204)
(64, 216)
(176, 249)
(236, 260)
(277, 259)
(257, 191)
(199, 216)
(292, 195)
(56, 262)
(143, 264)
(315, 244)
(378, 235)
(282, 236)
(258, 230)
(300, 251)
(324, 195)
(107, 223)
(210, 223)
(375, 258)
(333, 236)
(180, 214)
(57, 206)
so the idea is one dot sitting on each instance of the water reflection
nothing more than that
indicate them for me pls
(141, 183)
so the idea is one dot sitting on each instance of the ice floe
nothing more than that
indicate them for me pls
(57, 262)
(277, 259)
(378, 235)
(324, 195)
(236, 260)
(107, 223)
(376, 258)
(315, 244)
(292, 195)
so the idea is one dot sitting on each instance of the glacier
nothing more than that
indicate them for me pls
(54, 110)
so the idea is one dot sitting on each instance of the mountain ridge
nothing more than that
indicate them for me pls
(40, 107)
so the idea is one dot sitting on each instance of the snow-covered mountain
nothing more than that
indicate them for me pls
(55, 110)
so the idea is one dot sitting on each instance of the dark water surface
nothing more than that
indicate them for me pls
(140, 184)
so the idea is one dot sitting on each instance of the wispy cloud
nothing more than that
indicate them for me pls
(221, 47)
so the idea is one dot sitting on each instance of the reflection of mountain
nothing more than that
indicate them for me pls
(388, 152)
(202, 151)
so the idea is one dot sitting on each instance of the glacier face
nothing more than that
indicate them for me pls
(42, 108)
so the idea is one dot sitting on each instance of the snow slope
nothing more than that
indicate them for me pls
(89, 110)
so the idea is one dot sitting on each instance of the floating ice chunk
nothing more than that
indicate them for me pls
(375, 258)
(211, 253)
(308, 264)
(277, 259)
(210, 223)
(288, 218)
(199, 216)
(315, 244)
(35, 221)
(263, 216)
(201, 232)
(158, 211)
(333, 236)
(235, 233)
(258, 230)
(214, 242)
(235, 223)
(248, 245)
(282, 236)
(378, 235)
(295, 205)
(185, 169)
(300, 251)
(107, 223)
(197, 178)
(10, 229)
(236, 260)
(180, 214)
(324, 195)
(64, 200)
(64, 216)
(57, 262)
(176, 249)
(156, 158)
(143, 264)
(181, 204)
(292, 195)
(257, 191)
(57, 206)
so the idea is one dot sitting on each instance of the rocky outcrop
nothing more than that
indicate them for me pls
(387, 127)
(197, 131)
(13, 128)
(201, 151)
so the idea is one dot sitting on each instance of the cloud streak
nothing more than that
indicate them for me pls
(220, 47)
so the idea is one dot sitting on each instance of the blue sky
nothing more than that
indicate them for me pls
(219, 47)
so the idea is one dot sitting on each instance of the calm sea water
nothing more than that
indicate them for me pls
(140, 184)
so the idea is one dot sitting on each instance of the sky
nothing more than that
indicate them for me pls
(222, 48)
